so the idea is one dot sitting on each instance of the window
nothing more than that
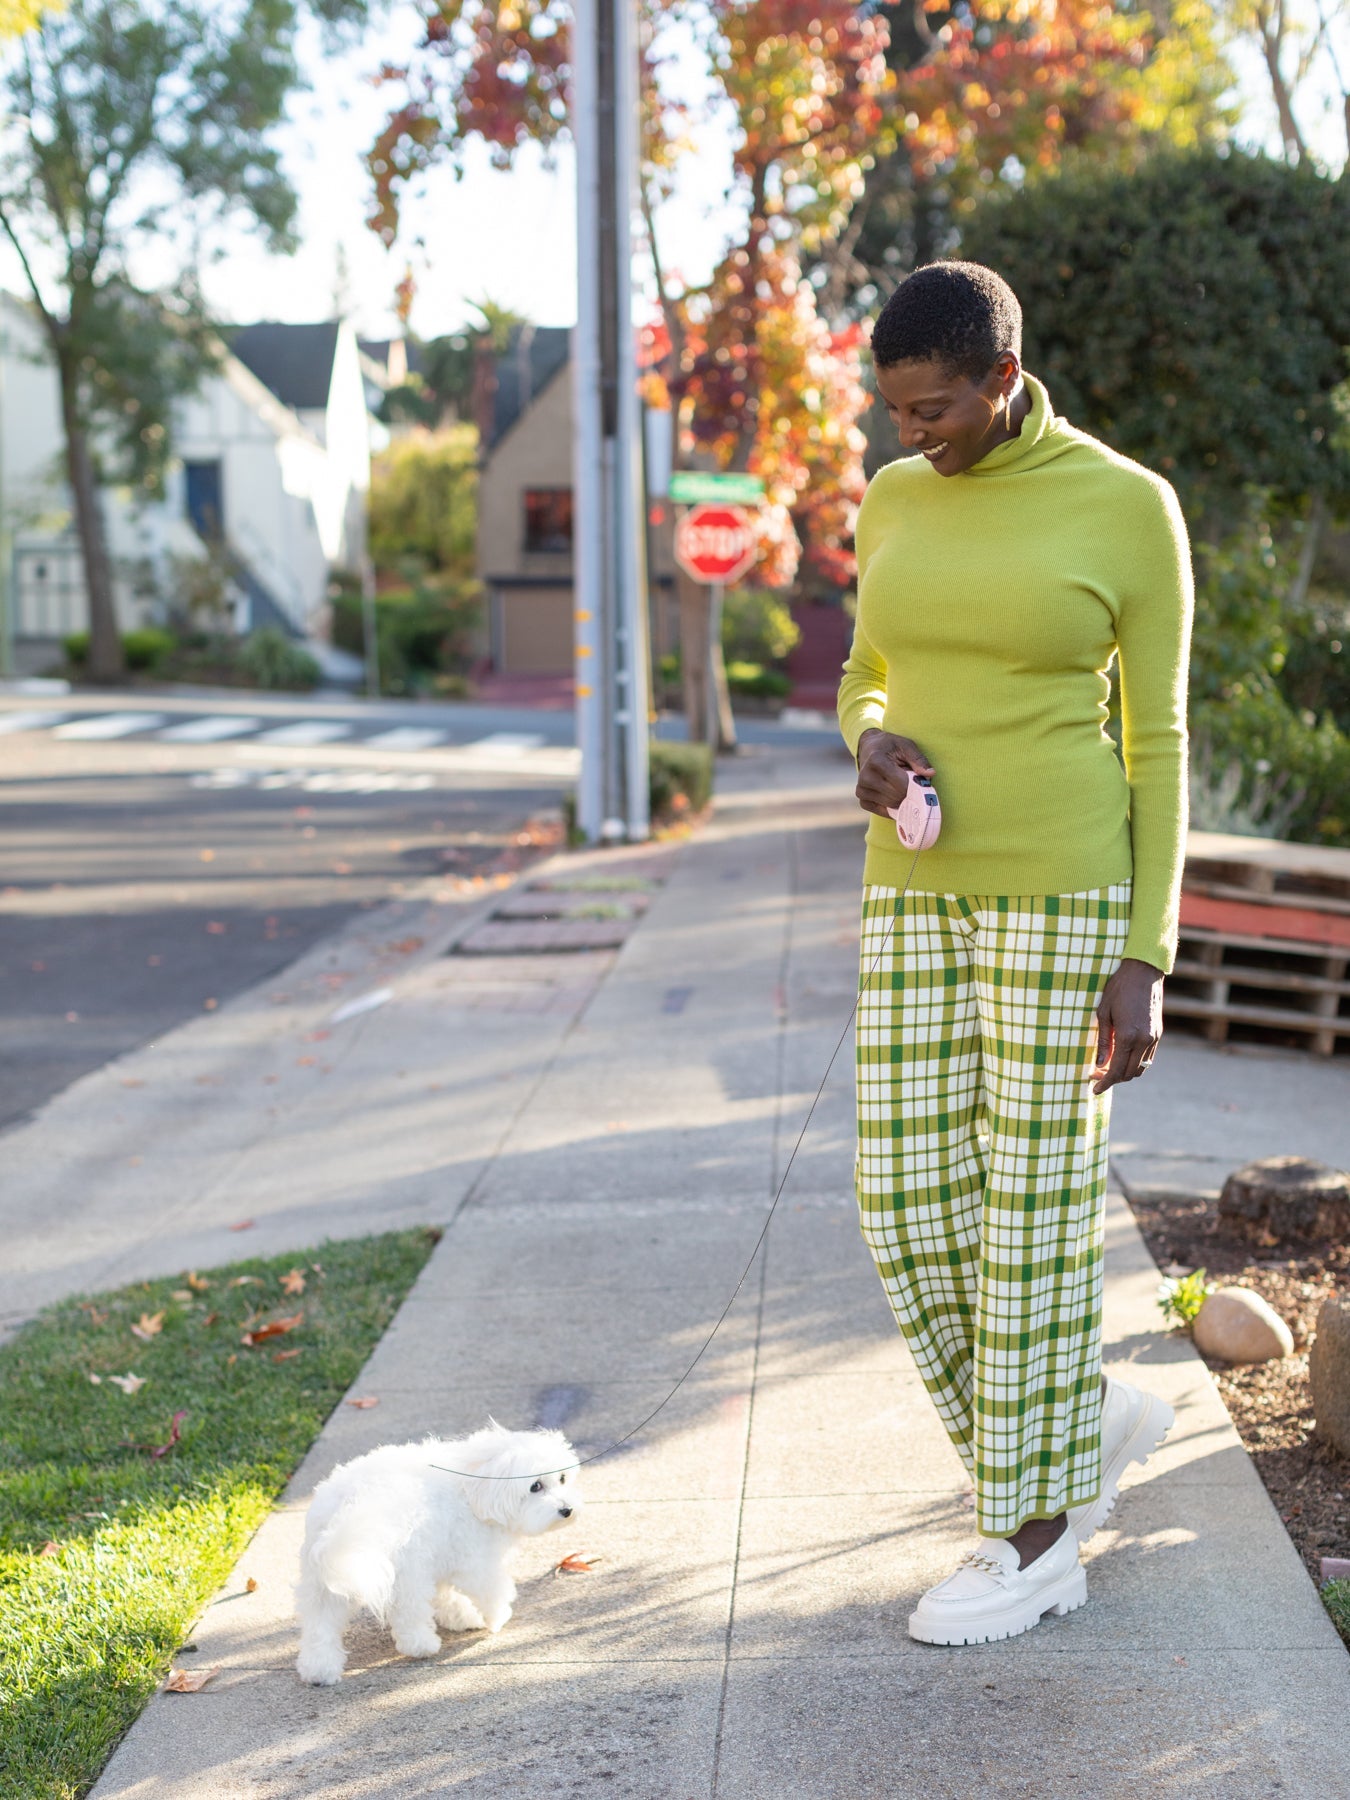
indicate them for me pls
(548, 519)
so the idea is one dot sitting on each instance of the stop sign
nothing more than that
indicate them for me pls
(715, 543)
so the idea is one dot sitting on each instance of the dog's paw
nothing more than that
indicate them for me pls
(458, 1613)
(418, 1643)
(495, 1619)
(320, 1671)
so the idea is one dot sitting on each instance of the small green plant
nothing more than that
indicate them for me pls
(269, 659)
(1336, 1599)
(680, 778)
(1180, 1298)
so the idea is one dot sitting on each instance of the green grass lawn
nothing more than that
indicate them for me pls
(107, 1552)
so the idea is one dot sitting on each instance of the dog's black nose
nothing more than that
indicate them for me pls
(565, 1512)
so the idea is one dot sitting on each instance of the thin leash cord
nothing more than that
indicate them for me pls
(642, 1425)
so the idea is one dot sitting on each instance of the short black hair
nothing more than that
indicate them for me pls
(959, 314)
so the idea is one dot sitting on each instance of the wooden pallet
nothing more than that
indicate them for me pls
(1264, 947)
(1274, 985)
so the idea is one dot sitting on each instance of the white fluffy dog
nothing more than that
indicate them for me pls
(419, 1547)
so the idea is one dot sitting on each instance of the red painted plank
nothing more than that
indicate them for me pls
(1303, 925)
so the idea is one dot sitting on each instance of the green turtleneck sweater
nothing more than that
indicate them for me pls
(990, 605)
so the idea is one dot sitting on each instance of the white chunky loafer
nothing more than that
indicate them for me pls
(990, 1597)
(1133, 1426)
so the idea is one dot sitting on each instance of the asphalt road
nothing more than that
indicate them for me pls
(143, 882)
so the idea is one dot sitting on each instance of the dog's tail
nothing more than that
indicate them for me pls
(351, 1559)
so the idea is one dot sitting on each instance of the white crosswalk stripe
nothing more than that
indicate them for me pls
(109, 725)
(505, 743)
(210, 731)
(406, 737)
(28, 721)
(306, 731)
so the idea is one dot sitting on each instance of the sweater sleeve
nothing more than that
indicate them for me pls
(1153, 635)
(862, 688)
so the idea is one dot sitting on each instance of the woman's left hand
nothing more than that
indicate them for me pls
(1129, 1024)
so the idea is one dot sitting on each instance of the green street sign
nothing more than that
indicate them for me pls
(691, 487)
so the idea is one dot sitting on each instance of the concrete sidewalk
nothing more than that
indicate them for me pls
(602, 1135)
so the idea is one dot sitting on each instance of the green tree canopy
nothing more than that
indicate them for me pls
(132, 129)
(1194, 313)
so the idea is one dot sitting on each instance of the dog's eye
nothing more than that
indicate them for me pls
(537, 1487)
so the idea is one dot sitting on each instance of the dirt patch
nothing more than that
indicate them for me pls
(1270, 1403)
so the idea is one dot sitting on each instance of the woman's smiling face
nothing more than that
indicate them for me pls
(950, 420)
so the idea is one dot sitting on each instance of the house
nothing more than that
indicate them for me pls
(270, 477)
(525, 505)
(525, 509)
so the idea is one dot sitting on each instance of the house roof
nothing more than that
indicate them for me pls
(533, 356)
(295, 361)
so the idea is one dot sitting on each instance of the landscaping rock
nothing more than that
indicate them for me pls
(1239, 1326)
(1287, 1197)
(1329, 1372)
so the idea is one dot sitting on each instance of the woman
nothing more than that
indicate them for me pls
(1019, 978)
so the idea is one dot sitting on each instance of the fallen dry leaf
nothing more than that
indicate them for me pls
(95, 1316)
(405, 946)
(216, 927)
(210, 1318)
(284, 1355)
(576, 1565)
(129, 1384)
(231, 1359)
(275, 1328)
(50, 1548)
(365, 1401)
(158, 1450)
(181, 1294)
(250, 1586)
(96, 1379)
(305, 1062)
(293, 1282)
(208, 855)
(198, 1283)
(188, 1681)
(132, 1081)
(244, 1280)
(149, 1325)
(243, 1225)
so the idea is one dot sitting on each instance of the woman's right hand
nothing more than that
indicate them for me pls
(884, 765)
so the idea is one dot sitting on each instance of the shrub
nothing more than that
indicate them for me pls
(754, 679)
(423, 633)
(269, 659)
(146, 649)
(680, 778)
(757, 626)
(149, 648)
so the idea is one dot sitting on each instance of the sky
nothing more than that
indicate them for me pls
(505, 236)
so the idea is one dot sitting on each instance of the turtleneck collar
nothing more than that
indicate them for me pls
(1042, 436)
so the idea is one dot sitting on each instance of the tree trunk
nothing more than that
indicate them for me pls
(703, 677)
(105, 661)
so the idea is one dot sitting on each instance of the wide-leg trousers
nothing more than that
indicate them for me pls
(981, 1172)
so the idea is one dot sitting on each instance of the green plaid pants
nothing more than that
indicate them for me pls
(982, 1169)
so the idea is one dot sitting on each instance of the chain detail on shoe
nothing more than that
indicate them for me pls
(989, 1565)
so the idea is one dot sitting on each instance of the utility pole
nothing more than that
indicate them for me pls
(609, 529)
